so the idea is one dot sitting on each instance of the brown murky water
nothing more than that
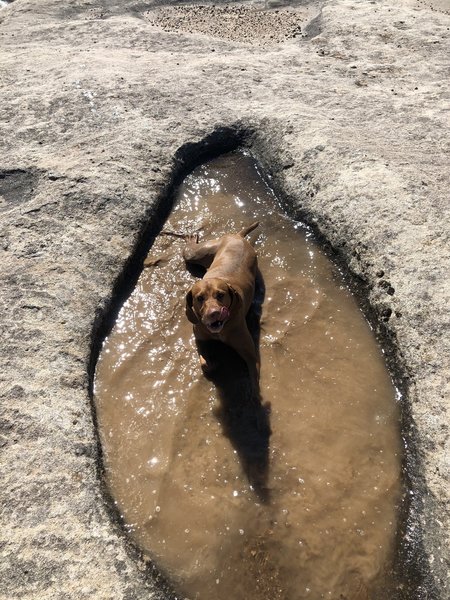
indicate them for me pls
(227, 510)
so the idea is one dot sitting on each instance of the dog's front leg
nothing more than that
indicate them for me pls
(206, 365)
(244, 345)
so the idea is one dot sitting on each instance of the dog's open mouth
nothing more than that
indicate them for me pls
(215, 326)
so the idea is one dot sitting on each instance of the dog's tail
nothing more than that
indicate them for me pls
(248, 229)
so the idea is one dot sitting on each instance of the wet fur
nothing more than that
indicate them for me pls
(229, 282)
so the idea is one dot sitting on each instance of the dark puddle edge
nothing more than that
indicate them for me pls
(410, 562)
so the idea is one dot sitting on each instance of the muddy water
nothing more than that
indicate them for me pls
(295, 499)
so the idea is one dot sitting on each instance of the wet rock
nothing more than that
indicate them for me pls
(16, 186)
(84, 450)
(386, 314)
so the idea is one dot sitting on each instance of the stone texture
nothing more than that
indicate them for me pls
(101, 111)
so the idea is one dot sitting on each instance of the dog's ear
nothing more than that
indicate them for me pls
(236, 298)
(189, 308)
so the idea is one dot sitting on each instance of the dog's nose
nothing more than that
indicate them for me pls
(214, 313)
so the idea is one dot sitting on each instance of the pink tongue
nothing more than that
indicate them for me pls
(224, 313)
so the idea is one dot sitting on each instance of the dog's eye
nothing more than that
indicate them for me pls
(220, 295)
(200, 299)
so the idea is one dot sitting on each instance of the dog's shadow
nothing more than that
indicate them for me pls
(245, 419)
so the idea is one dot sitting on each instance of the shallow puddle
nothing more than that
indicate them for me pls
(226, 509)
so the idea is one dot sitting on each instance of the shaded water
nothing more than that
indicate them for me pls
(227, 509)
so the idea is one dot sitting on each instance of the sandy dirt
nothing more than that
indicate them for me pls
(99, 108)
(235, 23)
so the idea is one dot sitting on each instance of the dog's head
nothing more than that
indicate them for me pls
(211, 302)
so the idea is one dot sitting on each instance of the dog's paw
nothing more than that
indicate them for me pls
(206, 366)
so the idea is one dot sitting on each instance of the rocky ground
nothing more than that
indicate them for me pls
(236, 23)
(104, 105)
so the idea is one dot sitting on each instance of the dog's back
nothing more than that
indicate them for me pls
(235, 258)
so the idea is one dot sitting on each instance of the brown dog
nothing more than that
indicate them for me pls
(218, 304)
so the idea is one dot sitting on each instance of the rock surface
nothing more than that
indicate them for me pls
(351, 123)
